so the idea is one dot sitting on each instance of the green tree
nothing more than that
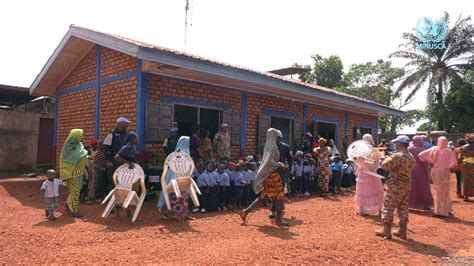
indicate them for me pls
(375, 81)
(459, 105)
(436, 66)
(326, 72)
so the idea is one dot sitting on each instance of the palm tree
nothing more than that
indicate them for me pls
(437, 66)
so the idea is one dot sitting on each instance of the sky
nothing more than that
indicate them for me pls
(262, 35)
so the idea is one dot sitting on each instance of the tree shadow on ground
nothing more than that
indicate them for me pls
(451, 219)
(422, 248)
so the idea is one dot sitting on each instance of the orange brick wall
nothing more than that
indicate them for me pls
(117, 99)
(329, 113)
(255, 104)
(76, 110)
(83, 73)
(114, 63)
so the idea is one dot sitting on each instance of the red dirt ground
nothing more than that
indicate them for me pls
(325, 230)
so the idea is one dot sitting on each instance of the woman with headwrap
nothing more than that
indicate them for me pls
(466, 164)
(420, 195)
(441, 157)
(369, 188)
(72, 161)
(183, 146)
(268, 182)
(323, 154)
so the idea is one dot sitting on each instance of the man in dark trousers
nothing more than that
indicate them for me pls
(114, 142)
(287, 159)
(170, 142)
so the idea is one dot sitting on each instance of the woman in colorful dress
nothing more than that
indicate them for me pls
(466, 164)
(72, 161)
(441, 157)
(323, 153)
(268, 182)
(420, 195)
(369, 188)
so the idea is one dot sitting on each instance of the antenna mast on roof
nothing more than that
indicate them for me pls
(186, 9)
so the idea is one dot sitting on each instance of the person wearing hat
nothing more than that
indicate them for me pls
(323, 152)
(169, 145)
(222, 142)
(115, 140)
(397, 194)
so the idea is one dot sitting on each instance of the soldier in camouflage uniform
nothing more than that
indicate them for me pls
(398, 188)
(222, 142)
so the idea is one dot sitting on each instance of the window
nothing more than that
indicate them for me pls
(187, 116)
(285, 126)
(361, 131)
(325, 130)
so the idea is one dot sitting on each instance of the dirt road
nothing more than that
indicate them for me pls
(323, 230)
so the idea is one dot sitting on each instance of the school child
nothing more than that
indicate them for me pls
(50, 188)
(248, 178)
(224, 185)
(313, 180)
(230, 170)
(348, 177)
(212, 188)
(253, 168)
(239, 184)
(336, 169)
(308, 172)
(297, 179)
(203, 187)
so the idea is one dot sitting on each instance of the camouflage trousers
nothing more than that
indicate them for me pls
(396, 197)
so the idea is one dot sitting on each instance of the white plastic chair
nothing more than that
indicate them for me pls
(123, 194)
(182, 165)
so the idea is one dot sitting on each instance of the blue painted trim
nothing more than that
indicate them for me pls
(337, 122)
(346, 124)
(278, 113)
(243, 134)
(305, 118)
(98, 62)
(56, 108)
(142, 95)
(85, 86)
(122, 76)
(93, 84)
(366, 125)
(200, 103)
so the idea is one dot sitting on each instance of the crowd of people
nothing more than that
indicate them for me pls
(315, 167)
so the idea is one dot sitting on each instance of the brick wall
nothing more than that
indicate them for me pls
(83, 73)
(255, 104)
(329, 113)
(114, 63)
(355, 118)
(117, 99)
(76, 110)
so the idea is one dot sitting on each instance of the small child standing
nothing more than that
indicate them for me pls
(248, 178)
(348, 174)
(308, 171)
(202, 184)
(212, 188)
(50, 190)
(336, 169)
(298, 179)
(224, 186)
(239, 184)
(313, 183)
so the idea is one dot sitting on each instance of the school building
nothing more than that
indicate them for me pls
(96, 77)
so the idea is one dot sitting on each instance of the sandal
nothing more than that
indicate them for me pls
(244, 217)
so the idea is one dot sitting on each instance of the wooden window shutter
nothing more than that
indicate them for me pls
(264, 123)
(165, 121)
(298, 131)
(152, 122)
(234, 120)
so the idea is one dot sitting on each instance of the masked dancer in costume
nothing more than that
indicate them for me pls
(268, 182)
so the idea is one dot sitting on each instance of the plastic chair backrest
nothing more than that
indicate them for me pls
(180, 163)
(126, 177)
